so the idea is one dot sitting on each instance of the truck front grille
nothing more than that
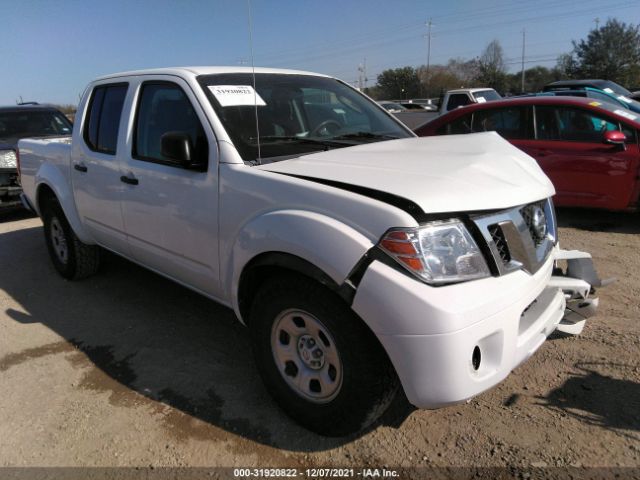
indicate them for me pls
(497, 235)
(520, 237)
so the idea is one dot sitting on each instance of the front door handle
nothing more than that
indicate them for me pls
(129, 180)
(543, 153)
(80, 167)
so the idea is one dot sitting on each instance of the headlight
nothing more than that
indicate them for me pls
(8, 159)
(438, 252)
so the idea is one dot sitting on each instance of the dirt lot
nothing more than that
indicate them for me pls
(129, 369)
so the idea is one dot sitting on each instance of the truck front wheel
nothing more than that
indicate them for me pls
(71, 258)
(319, 361)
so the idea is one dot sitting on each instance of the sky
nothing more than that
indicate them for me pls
(50, 50)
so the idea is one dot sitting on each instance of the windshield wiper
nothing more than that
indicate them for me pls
(293, 138)
(365, 135)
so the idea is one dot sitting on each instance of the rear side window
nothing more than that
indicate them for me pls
(458, 126)
(105, 110)
(511, 123)
(164, 108)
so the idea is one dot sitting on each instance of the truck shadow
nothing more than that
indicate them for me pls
(149, 342)
(593, 220)
(12, 214)
(597, 399)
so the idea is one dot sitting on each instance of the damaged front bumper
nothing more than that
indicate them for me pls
(577, 281)
(451, 343)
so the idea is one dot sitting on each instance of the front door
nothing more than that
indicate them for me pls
(585, 171)
(171, 211)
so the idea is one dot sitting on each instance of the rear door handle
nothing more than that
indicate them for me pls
(129, 180)
(80, 167)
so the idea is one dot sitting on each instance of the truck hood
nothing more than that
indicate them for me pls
(452, 173)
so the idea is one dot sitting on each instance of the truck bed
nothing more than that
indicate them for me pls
(37, 153)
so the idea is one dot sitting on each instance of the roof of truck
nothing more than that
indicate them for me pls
(189, 71)
(470, 90)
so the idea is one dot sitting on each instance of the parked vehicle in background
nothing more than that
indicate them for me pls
(466, 96)
(20, 121)
(605, 86)
(360, 257)
(635, 95)
(412, 106)
(392, 107)
(588, 149)
(450, 100)
(594, 93)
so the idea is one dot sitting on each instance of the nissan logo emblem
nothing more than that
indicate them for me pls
(539, 223)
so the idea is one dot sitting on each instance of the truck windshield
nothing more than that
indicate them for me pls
(296, 114)
(21, 124)
(486, 96)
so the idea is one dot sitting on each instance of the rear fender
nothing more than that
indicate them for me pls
(52, 177)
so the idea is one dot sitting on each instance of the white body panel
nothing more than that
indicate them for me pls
(452, 173)
(202, 229)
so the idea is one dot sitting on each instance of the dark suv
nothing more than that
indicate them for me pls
(18, 122)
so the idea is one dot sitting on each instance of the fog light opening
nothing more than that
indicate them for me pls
(476, 358)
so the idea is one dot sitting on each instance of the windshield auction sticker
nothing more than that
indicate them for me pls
(236, 95)
(626, 114)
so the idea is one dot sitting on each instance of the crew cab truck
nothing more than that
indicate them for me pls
(360, 257)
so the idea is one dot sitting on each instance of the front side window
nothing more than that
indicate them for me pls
(164, 108)
(511, 123)
(296, 114)
(571, 124)
(105, 110)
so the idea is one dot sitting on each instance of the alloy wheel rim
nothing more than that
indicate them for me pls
(59, 241)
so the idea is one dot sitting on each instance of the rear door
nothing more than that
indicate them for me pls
(171, 212)
(95, 170)
(585, 171)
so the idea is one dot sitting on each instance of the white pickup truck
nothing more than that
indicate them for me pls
(360, 257)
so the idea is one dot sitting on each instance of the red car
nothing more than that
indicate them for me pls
(588, 149)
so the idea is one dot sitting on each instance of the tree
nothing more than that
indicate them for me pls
(611, 52)
(534, 79)
(440, 78)
(492, 71)
(399, 83)
(465, 70)
(565, 66)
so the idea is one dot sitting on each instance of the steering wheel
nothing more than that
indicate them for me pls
(325, 128)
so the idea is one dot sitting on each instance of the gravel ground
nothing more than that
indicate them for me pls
(130, 369)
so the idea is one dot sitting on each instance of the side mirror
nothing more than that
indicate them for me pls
(614, 137)
(176, 146)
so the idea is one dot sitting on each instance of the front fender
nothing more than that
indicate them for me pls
(328, 244)
(51, 176)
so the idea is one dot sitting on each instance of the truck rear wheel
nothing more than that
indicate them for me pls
(319, 361)
(71, 258)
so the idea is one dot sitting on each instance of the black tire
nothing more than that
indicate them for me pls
(81, 260)
(368, 381)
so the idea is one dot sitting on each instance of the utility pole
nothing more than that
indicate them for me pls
(522, 80)
(428, 24)
(362, 75)
(597, 21)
